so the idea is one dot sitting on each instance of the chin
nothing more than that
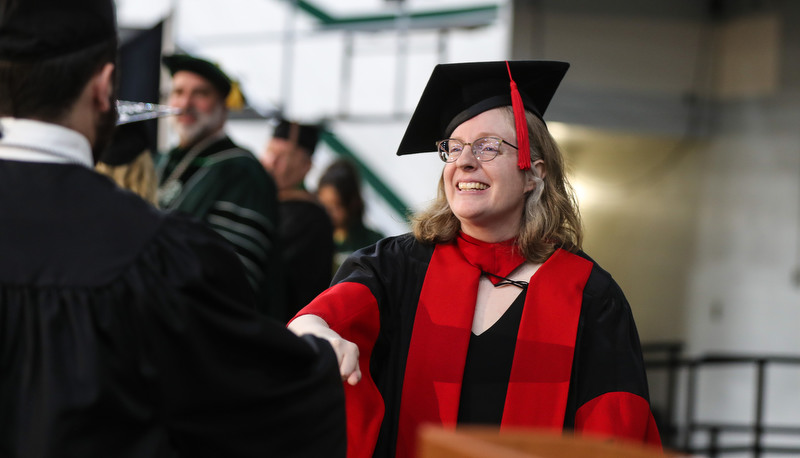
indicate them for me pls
(189, 135)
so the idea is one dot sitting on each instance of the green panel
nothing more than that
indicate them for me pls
(329, 20)
(314, 10)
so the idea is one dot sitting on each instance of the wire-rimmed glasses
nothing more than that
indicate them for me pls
(484, 149)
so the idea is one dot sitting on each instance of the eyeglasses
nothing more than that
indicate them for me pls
(484, 149)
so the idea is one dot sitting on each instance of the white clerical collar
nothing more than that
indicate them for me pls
(35, 141)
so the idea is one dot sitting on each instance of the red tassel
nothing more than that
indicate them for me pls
(521, 124)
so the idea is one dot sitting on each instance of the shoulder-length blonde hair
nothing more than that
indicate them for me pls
(138, 176)
(550, 218)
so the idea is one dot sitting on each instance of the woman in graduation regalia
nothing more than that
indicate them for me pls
(489, 313)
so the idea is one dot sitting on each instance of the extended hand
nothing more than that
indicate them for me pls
(346, 352)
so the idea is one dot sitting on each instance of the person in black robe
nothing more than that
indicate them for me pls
(125, 331)
(489, 313)
(305, 229)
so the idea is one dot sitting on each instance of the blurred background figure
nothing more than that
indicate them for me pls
(211, 178)
(339, 191)
(305, 231)
(128, 161)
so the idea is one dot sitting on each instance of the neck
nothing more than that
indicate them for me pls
(80, 121)
(201, 140)
(490, 235)
(206, 138)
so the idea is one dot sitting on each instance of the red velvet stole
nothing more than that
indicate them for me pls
(540, 372)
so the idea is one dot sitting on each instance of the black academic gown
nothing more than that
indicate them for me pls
(128, 332)
(306, 239)
(577, 364)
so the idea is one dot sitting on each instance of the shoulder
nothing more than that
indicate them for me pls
(302, 210)
(391, 260)
(603, 297)
(600, 280)
(225, 153)
(238, 167)
(298, 198)
(594, 279)
(399, 249)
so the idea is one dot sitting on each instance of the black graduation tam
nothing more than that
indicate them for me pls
(42, 29)
(305, 135)
(129, 141)
(458, 92)
(184, 62)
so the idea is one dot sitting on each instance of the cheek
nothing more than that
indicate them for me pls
(204, 104)
(177, 101)
(447, 175)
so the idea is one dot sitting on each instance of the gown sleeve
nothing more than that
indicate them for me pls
(611, 397)
(238, 199)
(372, 304)
(232, 382)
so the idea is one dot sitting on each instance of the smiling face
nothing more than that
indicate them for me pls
(487, 197)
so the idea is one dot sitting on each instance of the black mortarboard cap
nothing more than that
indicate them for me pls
(41, 29)
(458, 92)
(184, 62)
(128, 142)
(305, 135)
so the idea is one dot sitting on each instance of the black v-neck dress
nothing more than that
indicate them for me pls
(488, 368)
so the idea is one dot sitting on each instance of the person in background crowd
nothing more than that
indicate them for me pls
(126, 331)
(129, 162)
(489, 313)
(305, 231)
(211, 178)
(339, 190)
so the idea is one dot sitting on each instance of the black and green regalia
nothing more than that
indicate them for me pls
(226, 187)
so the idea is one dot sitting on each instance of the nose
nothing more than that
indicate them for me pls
(467, 159)
(181, 101)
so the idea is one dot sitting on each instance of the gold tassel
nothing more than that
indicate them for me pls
(235, 100)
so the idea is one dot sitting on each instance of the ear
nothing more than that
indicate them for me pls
(102, 87)
(537, 169)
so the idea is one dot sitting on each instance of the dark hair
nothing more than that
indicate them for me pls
(343, 176)
(46, 89)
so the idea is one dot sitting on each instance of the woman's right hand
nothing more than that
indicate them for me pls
(346, 351)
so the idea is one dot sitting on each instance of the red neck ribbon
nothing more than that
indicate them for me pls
(521, 124)
(498, 259)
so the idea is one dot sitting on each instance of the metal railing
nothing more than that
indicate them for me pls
(678, 433)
